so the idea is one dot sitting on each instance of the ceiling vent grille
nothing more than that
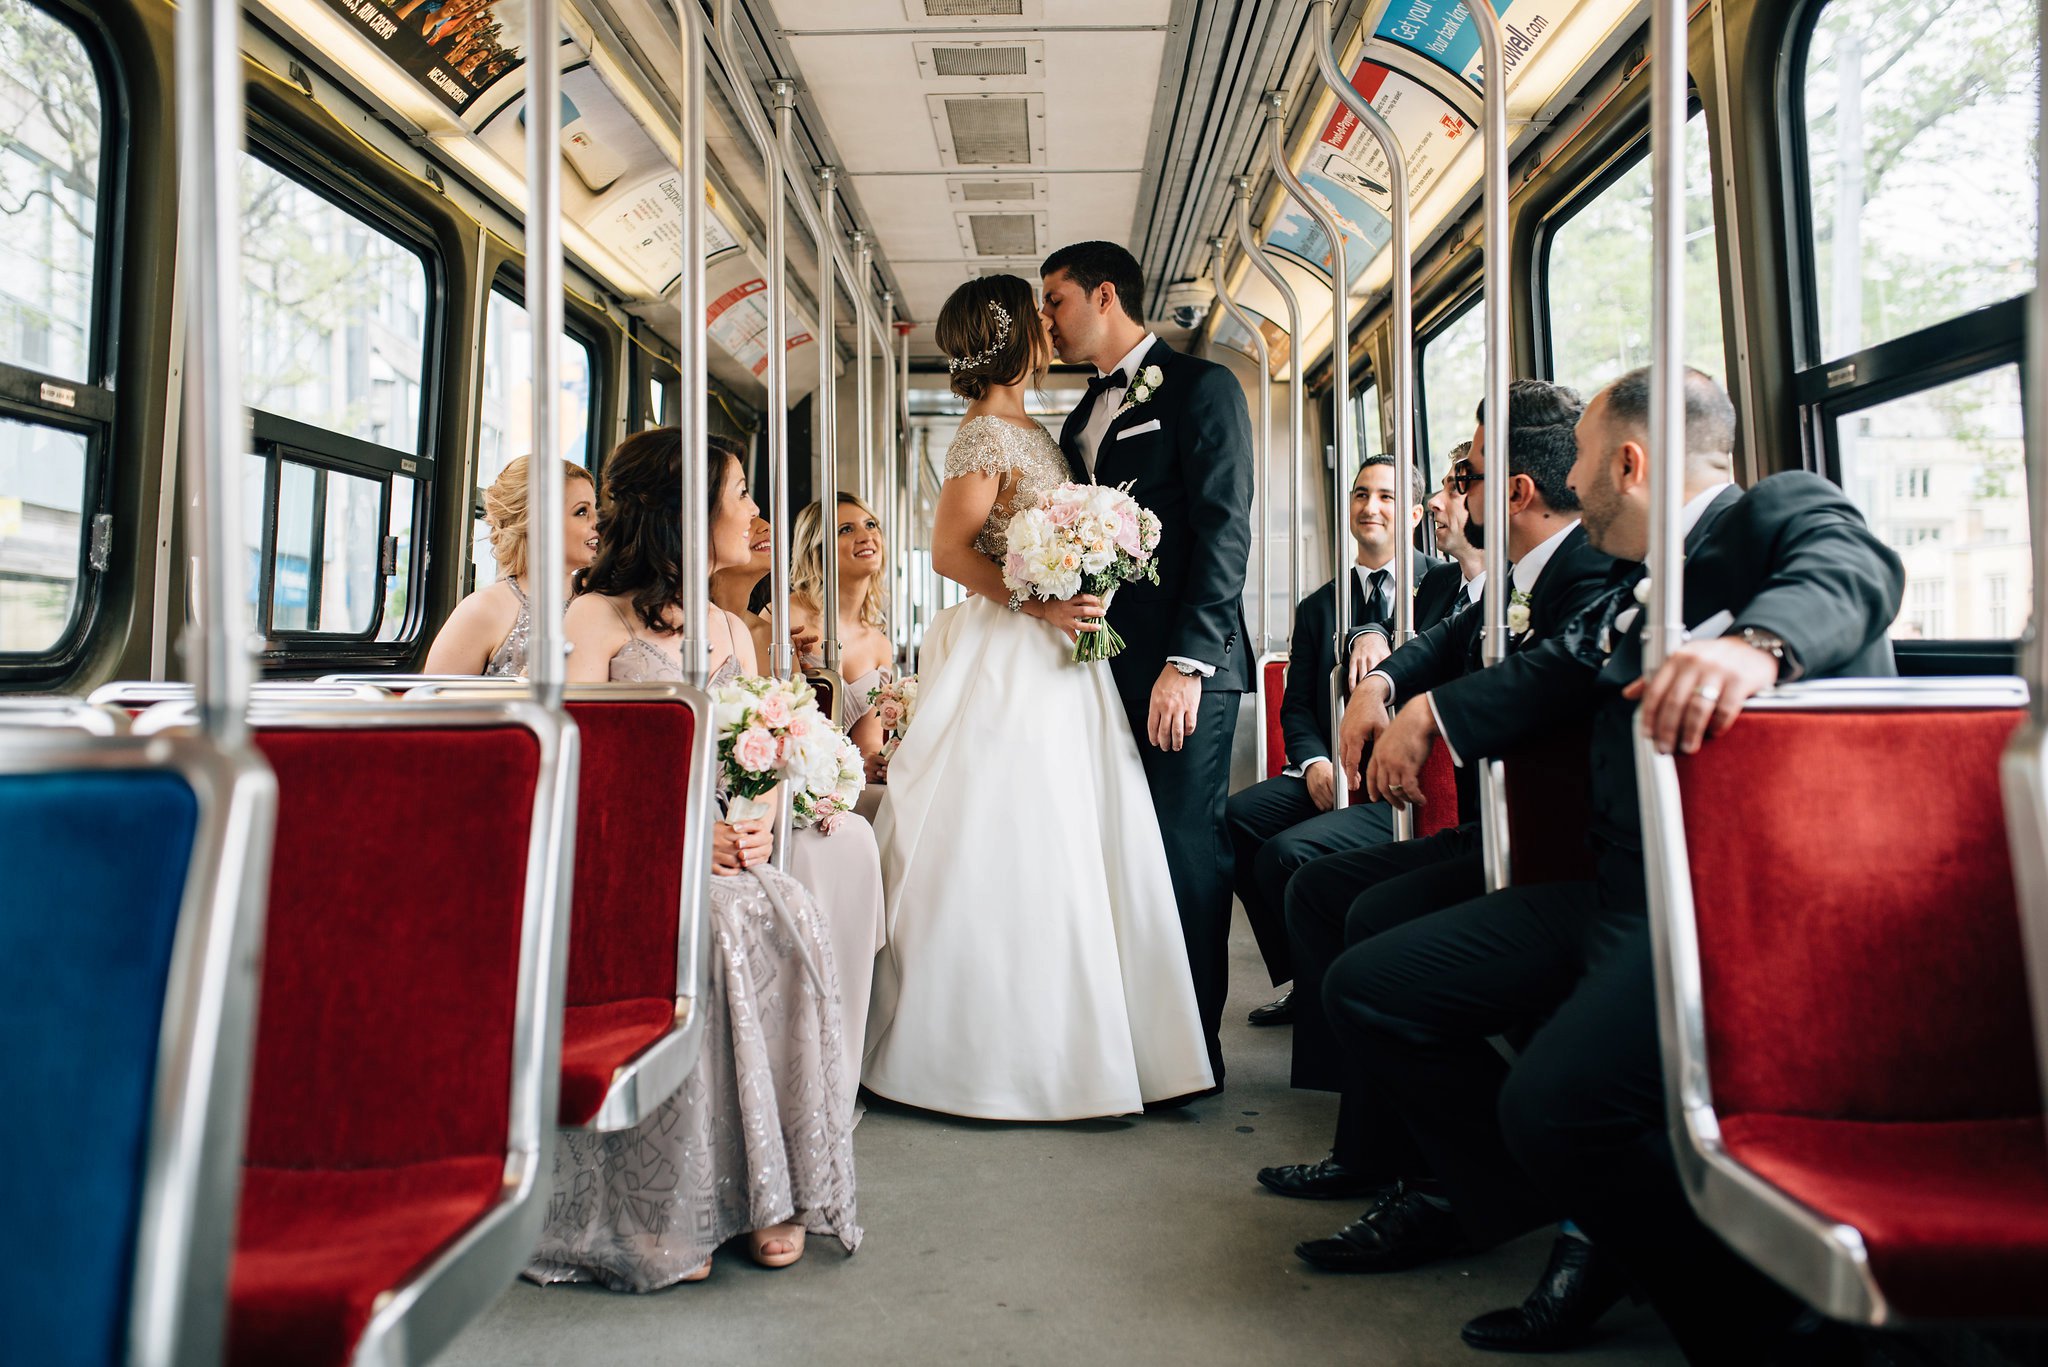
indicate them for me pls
(990, 132)
(1003, 234)
(959, 9)
(980, 61)
(997, 191)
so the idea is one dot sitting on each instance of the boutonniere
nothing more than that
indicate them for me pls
(1143, 388)
(1518, 613)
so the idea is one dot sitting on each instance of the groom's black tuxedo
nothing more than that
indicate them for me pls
(1186, 452)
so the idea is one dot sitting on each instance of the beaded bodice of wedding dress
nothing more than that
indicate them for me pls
(1027, 459)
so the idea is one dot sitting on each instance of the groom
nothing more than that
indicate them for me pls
(1175, 428)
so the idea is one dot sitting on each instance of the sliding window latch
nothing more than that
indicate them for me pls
(100, 550)
(387, 557)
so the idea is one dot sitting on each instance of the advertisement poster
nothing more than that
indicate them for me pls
(455, 48)
(643, 224)
(1442, 31)
(738, 321)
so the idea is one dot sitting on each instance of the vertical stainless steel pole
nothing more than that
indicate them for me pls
(1493, 132)
(825, 407)
(210, 120)
(1255, 253)
(544, 310)
(864, 374)
(899, 452)
(2035, 663)
(781, 515)
(1666, 625)
(695, 419)
(1265, 431)
(1402, 289)
(891, 513)
(1340, 412)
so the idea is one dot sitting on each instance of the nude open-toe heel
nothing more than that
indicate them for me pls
(758, 1240)
(700, 1274)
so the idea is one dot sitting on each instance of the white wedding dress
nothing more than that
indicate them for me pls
(1034, 967)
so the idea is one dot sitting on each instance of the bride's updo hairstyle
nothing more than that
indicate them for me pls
(991, 334)
(639, 522)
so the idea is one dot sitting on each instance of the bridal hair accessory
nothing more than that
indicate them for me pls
(1084, 538)
(982, 358)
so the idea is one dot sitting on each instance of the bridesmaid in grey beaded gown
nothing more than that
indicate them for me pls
(758, 1140)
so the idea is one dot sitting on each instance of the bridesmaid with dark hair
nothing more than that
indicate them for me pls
(758, 1141)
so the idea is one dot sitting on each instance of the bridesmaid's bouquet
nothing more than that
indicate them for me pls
(827, 775)
(1084, 538)
(769, 730)
(894, 704)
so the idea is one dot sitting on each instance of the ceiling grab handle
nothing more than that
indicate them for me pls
(1493, 134)
(544, 311)
(1402, 288)
(1340, 411)
(1265, 431)
(1248, 243)
(210, 122)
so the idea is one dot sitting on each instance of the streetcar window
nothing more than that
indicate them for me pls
(508, 411)
(50, 145)
(42, 533)
(1941, 475)
(1919, 154)
(329, 538)
(1597, 268)
(334, 314)
(1372, 440)
(1453, 381)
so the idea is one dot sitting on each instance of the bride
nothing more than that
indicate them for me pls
(1034, 967)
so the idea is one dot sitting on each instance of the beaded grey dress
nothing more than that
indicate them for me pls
(759, 1134)
(508, 661)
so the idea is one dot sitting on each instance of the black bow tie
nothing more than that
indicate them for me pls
(1114, 380)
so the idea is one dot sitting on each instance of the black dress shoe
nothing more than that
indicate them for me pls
(1400, 1231)
(1320, 1181)
(1279, 1012)
(1576, 1289)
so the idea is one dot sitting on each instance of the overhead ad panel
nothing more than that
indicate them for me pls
(1442, 31)
(455, 48)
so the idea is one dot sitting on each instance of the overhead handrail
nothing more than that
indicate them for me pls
(2024, 770)
(1493, 133)
(1265, 430)
(1254, 252)
(1402, 377)
(1340, 408)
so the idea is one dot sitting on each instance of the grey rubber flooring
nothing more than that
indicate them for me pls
(1141, 1241)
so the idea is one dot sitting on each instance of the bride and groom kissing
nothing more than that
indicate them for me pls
(1053, 839)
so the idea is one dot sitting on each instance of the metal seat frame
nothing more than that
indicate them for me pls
(191, 1168)
(1824, 1262)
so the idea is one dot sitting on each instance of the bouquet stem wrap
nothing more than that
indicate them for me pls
(1105, 641)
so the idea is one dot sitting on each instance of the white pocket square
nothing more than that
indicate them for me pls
(1143, 427)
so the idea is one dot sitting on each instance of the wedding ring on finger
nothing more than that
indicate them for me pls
(1708, 693)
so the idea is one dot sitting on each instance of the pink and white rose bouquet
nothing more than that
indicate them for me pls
(760, 724)
(1084, 538)
(894, 703)
(825, 780)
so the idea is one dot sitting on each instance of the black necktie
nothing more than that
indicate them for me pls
(1114, 380)
(1377, 607)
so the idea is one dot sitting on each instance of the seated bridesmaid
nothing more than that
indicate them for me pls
(486, 634)
(866, 655)
(758, 1141)
(742, 590)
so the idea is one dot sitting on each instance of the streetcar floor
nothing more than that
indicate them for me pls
(1133, 1241)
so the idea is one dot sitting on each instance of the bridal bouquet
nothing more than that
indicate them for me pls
(894, 704)
(771, 729)
(1084, 538)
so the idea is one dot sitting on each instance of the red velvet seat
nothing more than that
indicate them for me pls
(1273, 683)
(1548, 795)
(1861, 1108)
(642, 833)
(1439, 811)
(395, 1171)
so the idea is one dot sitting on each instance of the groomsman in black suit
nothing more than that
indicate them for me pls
(1556, 574)
(1280, 824)
(1782, 582)
(1176, 430)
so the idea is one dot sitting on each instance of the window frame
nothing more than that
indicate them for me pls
(1827, 389)
(35, 397)
(275, 438)
(1441, 321)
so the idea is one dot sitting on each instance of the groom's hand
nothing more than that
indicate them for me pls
(1365, 720)
(1395, 774)
(1176, 701)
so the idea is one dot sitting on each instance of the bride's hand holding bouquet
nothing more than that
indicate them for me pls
(1084, 540)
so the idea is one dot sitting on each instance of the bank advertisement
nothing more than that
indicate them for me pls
(1442, 31)
(455, 48)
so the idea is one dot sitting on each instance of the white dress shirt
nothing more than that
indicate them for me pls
(1364, 578)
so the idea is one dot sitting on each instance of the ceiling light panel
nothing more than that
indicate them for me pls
(976, 61)
(1005, 191)
(989, 130)
(1003, 233)
(973, 11)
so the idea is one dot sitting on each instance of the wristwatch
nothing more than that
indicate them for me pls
(1185, 668)
(1773, 645)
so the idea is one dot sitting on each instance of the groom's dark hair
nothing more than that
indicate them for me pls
(1089, 264)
